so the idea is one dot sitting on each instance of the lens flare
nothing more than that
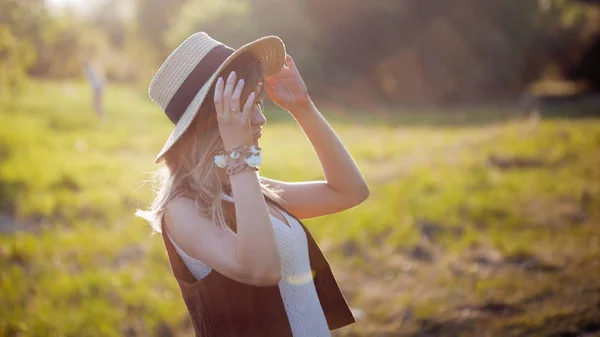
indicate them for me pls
(300, 279)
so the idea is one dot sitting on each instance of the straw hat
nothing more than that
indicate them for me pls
(182, 82)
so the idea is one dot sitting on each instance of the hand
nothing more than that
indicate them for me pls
(287, 89)
(234, 127)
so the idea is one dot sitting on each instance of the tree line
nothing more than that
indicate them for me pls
(432, 51)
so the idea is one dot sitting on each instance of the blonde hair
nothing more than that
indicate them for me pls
(190, 170)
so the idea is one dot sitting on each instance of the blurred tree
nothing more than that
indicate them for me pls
(112, 41)
(586, 67)
(111, 16)
(440, 51)
(226, 20)
(236, 22)
(154, 18)
(402, 51)
(38, 43)
(21, 23)
(58, 54)
(288, 20)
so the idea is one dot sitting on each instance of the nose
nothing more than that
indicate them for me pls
(257, 118)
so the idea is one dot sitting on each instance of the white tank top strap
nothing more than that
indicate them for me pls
(198, 268)
(227, 197)
(288, 218)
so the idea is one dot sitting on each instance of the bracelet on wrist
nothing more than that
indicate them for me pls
(238, 158)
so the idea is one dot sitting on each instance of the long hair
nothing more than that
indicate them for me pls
(190, 170)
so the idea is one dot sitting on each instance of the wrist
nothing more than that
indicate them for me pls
(239, 158)
(244, 171)
(303, 109)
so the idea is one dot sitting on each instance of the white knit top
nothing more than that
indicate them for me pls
(296, 286)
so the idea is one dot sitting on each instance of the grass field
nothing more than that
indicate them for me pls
(472, 229)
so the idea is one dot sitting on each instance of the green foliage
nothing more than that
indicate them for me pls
(17, 56)
(403, 51)
(154, 18)
(34, 42)
(209, 16)
(80, 264)
(445, 52)
(20, 27)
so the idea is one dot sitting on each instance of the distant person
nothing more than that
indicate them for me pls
(244, 262)
(94, 73)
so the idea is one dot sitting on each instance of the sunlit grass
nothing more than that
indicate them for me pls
(81, 264)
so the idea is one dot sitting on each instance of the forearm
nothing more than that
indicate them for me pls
(256, 246)
(339, 169)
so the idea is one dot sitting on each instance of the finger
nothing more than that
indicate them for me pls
(235, 97)
(218, 97)
(227, 93)
(289, 61)
(248, 106)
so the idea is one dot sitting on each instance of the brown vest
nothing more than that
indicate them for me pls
(221, 307)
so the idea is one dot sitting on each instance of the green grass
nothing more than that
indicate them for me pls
(80, 263)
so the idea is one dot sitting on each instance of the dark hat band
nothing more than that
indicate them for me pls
(190, 87)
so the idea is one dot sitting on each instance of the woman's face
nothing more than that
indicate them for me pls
(257, 118)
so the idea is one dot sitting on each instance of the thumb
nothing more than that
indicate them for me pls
(289, 61)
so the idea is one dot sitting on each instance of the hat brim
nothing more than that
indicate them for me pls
(269, 50)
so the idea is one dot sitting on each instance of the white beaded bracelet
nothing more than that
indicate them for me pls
(239, 156)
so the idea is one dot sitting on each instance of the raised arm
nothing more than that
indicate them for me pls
(343, 186)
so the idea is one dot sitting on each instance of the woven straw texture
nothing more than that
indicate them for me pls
(270, 50)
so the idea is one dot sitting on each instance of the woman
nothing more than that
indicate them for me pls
(245, 264)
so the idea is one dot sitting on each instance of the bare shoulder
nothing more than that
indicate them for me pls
(183, 220)
(203, 240)
(194, 233)
(179, 205)
(176, 209)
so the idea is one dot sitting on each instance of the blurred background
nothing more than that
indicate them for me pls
(475, 122)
